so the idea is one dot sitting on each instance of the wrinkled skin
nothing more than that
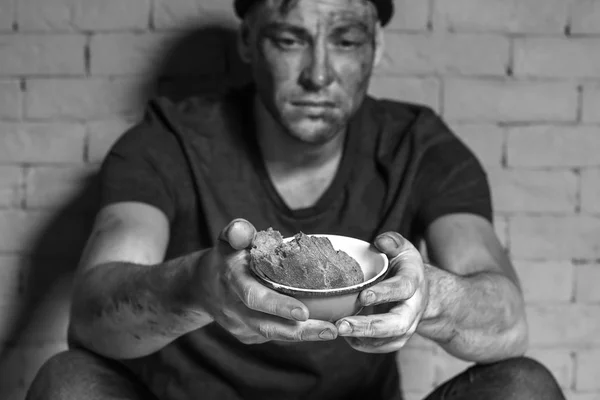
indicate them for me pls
(241, 305)
(311, 62)
(394, 306)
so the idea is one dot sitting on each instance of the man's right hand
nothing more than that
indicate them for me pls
(244, 307)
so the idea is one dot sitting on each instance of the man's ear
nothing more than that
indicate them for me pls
(379, 44)
(243, 42)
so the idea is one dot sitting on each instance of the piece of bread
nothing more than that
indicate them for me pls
(307, 262)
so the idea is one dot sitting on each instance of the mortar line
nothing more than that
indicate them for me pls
(574, 283)
(441, 93)
(87, 55)
(430, 15)
(510, 67)
(25, 176)
(152, 10)
(579, 115)
(574, 364)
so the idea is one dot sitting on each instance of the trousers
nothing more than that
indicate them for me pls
(79, 374)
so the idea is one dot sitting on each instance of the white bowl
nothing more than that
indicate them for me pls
(333, 304)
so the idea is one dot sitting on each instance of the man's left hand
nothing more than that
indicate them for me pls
(403, 297)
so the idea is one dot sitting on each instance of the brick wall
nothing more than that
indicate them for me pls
(518, 80)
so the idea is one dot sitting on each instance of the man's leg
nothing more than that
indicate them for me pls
(79, 374)
(514, 379)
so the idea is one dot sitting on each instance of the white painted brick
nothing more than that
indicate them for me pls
(152, 53)
(26, 232)
(102, 135)
(588, 373)
(409, 15)
(11, 182)
(557, 57)
(558, 361)
(52, 187)
(416, 368)
(518, 190)
(39, 142)
(97, 15)
(509, 101)
(553, 146)
(585, 16)
(587, 277)
(49, 293)
(20, 366)
(546, 281)
(590, 190)
(501, 229)
(462, 54)
(574, 325)
(514, 16)
(571, 395)
(554, 238)
(591, 103)
(10, 277)
(10, 99)
(447, 366)
(409, 89)
(35, 15)
(485, 140)
(127, 54)
(67, 15)
(10, 308)
(181, 14)
(83, 99)
(16, 229)
(42, 55)
(7, 15)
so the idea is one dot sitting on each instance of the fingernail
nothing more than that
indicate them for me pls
(298, 314)
(230, 227)
(326, 334)
(386, 241)
(369, 297)
(344, 328)
(394, 240)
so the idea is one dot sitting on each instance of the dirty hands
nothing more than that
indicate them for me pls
(251, 312)
(403, 297)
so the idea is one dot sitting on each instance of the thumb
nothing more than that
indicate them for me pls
(238, 234)
(392, 244)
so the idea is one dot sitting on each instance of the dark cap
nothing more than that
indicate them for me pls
(385, 8)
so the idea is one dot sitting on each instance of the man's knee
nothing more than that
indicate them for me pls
(54, 378)
(78, 374)
(527, 378)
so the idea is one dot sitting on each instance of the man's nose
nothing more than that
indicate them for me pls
(318, 72)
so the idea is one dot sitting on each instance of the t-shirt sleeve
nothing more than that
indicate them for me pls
(450, 179)
(131, 172)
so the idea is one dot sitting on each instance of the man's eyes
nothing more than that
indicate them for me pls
(348, 44)
(291, 43)
(286, 42)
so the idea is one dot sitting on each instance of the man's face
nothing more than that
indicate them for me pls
(312, 61)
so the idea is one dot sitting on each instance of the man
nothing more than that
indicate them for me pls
(164, 306)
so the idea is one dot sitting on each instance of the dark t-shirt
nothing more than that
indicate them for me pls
(198, 161)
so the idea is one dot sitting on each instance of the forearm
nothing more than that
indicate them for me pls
(125, 310)
(477, 318)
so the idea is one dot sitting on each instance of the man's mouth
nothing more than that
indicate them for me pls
(317, 104)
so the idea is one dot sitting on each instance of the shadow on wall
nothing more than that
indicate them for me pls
(35, 322)
(203, 61)
(199, 61)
